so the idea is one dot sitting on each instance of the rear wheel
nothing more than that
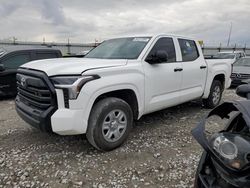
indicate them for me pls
(215, 95)
(110, 122)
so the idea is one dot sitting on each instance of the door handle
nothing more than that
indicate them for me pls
(203, 67)
(178, 69)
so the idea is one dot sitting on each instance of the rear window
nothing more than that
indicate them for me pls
(189, 50)
(45, 55)
(13, 62)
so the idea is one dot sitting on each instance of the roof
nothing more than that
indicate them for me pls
(8, 49)
(154, 36)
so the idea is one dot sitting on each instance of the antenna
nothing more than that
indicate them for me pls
(230, 32)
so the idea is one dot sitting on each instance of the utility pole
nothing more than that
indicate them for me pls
(14, 40)
(230, 32)
(68, 46)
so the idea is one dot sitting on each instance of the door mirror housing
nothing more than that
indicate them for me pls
(2, 68)
(159, 56)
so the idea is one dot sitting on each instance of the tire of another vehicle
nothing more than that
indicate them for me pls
(215, 94)
(106, 118)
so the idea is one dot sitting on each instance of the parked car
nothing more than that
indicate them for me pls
(120, 80)
(11, 58)
(241, 72)
(228, 56)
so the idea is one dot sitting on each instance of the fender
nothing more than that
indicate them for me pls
(209, 82)
(88, 99)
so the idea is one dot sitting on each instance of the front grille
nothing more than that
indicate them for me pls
(240, 76)
(34, 92)
(36, 98)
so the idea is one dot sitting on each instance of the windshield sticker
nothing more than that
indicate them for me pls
(141, 39)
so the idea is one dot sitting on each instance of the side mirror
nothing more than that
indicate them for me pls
(159, 56)
(2, 67)
(243, 91)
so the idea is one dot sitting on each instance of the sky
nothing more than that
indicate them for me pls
(83, 21)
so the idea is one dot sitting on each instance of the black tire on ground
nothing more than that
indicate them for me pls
(109, 124)
(215, 94)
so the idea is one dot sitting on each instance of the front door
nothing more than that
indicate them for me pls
(162, 80)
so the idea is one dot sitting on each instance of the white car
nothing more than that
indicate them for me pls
(119, 81)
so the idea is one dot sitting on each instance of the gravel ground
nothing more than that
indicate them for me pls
(160, 152)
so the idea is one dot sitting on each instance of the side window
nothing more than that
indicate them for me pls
(189, 50)
(45, 55)
(13, 62)
(165, 44)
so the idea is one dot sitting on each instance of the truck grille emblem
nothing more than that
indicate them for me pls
(23, 82)
(238, 76)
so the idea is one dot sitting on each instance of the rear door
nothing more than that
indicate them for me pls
(162, 80)
(194, 70)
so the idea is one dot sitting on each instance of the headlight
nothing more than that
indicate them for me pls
(72, 84)
(232, 148)
(225, 147)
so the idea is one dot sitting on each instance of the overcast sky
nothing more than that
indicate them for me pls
(87, 20)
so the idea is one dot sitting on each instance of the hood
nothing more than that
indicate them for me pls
(241, 69)
(61, 66)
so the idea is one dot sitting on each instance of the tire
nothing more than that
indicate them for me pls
(109, 124)
(215, 94)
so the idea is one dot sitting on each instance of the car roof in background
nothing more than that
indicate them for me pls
(4, 50)
(231, 52)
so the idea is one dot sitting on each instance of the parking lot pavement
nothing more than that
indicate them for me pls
(160, 152)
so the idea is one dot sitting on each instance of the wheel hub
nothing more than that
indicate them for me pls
(114, 125)
(216, 95)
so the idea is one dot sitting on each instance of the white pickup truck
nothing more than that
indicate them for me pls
(120, 80)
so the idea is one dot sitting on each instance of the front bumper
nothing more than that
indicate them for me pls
(61, 121)
(68, 122)
(43, 107)
(37, 119)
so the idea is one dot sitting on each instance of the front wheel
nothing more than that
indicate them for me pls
(215, 95)
(109, 125)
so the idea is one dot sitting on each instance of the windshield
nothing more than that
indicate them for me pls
(224, 56)
(243, 62)
(122, 48)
